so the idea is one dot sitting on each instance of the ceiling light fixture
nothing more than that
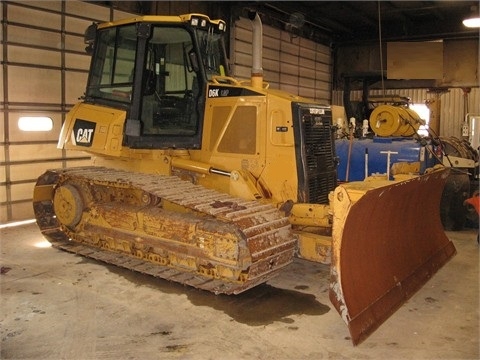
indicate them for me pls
(474, 20)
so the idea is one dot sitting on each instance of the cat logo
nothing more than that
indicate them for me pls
(83, 132)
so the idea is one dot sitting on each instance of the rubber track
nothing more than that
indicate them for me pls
(263, 220)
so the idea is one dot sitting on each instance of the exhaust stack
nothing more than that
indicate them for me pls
(257, 44)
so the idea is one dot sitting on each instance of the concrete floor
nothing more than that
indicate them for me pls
(56, 305)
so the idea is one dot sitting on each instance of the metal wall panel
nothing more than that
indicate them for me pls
(454, 106)
(94, 12)
(45, 88)
(47, 5)
(2, 134)
(33, 17)
(33, 152)
(290, 63)
(44, 74)
(21, 54)
(36, 37)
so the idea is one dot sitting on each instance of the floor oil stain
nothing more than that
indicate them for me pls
(261, 305)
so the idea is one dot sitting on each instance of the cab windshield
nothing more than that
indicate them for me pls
(177, 63)
(111, 75)
(213, 54)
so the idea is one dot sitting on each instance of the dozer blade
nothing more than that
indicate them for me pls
(388, 241)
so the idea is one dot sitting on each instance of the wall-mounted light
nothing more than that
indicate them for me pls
(473, 21)
(35, 123)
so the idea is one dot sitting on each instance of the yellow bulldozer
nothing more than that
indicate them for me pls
(218, 183)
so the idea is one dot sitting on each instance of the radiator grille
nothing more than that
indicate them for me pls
(316, 160)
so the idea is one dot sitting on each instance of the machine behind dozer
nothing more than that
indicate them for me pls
(218, 183)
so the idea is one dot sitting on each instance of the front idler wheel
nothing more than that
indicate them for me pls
(68, 205)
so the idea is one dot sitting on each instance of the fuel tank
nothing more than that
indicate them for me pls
(369, 156)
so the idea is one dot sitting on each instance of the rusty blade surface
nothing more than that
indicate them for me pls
(391, 243)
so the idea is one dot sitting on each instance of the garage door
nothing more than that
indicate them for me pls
(291, 63)
(44, 73)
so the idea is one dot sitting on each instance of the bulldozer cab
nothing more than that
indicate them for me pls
(157, 71)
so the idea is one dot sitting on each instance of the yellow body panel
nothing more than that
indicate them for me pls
(314, 247)
(311, 214)
(108, 151)
(104, 138)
